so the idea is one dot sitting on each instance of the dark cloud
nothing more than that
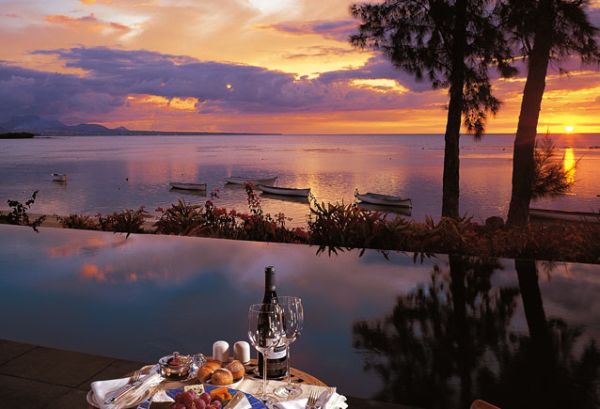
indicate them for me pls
(24, 91)
(112, 75)
(338, 30)
(378, 67)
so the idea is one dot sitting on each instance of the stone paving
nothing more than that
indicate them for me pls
(39, 377)
(35, 377)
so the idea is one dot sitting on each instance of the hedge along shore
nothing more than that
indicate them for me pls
(563, 242)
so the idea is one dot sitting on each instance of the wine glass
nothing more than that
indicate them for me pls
(293, 319)
(265, 331)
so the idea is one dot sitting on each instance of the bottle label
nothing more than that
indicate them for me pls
(278, 353)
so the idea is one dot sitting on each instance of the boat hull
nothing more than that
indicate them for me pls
(242, 181)
(59, 177)
(565, 215)
(188, 186)
(284, 191)
(400, 210)
(381, 200)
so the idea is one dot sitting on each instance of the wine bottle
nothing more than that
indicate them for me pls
(277, 359)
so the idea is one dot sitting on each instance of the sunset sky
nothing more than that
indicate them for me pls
(237, 65)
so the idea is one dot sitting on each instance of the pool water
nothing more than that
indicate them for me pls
(433, 334)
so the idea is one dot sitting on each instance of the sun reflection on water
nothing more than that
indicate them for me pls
(569, 164)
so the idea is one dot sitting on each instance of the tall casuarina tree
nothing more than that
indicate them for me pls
(452, 43)
(546, 30)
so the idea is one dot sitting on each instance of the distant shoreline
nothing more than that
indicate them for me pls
(165, 133)
(16, 135)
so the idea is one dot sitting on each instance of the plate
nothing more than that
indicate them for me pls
(254, 402)
(230, 386)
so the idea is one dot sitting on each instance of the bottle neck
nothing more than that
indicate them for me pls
(270, 296)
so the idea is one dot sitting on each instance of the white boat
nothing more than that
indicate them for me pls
(59, 177)
(384, 200)
(284, 191)
(235, 180)
(588, 217)
(293, 199)
(188, 186)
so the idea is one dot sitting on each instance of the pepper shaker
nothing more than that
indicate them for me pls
(221, 351)
(241, 352)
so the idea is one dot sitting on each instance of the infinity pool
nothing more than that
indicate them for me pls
(433, 334)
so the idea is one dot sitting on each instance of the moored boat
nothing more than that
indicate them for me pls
(188, 186)
(383, 200)
(588, 217)
(236, 180)
(403, 211)
(284, 191)
(285, 198)
(59, 177)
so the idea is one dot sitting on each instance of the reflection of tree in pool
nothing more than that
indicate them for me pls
(449, 343)
(550, 368)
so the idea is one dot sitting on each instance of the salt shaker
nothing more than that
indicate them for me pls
(221, 351)
(241, 351)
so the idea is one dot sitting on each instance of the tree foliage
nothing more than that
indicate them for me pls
(571, 32)
(418, 37)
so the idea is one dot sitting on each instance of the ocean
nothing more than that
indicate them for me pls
(111, 173)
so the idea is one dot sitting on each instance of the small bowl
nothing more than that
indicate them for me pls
(176, 366)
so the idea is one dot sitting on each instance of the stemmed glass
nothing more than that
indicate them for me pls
(293, 319)
(265, 331)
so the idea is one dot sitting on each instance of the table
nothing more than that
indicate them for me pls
(298, 376)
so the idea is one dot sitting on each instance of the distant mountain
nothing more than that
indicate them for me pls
(44, 126)
(30, 123)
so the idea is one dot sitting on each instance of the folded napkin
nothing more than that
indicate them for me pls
(326, 400)
(101, 389)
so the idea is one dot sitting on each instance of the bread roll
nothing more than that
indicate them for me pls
(237, 370)
(205, 372)
(221, 376)
(213, 363)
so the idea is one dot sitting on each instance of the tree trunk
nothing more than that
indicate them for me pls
(451, 186)
(542, 378)
(523, 155)
(462, 336)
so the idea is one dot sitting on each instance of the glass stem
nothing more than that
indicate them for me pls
(289, 365)
(264, 382)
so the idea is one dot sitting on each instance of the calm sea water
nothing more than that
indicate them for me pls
(435, 334)
(111, 173)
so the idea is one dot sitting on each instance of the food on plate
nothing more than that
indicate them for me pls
(237, 370)
(205, 372)
(216, 399)
(213, 372)
(221, 376)
(220, 395)
(206, 397)
(190, 400)
(213, 363)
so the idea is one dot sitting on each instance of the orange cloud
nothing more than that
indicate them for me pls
(89, 22)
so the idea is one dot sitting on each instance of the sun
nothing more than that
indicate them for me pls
(569, 128)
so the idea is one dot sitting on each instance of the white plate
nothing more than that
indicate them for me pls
(230, 386)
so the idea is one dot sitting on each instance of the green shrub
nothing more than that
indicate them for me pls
(181, 218)
(78, 221)
(19, 213)
(127, 221)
